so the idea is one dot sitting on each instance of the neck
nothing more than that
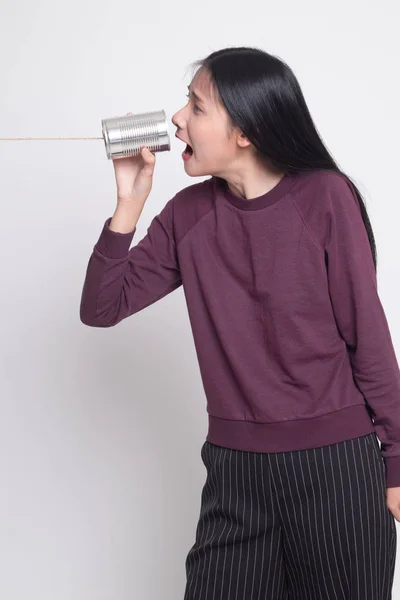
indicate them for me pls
(253, 181)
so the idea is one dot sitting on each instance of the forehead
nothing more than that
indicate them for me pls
(202, 85)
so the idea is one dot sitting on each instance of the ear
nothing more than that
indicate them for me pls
(243, 141)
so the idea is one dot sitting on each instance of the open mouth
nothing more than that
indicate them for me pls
(188, 150)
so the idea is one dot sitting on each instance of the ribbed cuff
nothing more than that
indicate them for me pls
(392, 464)
(113, 244)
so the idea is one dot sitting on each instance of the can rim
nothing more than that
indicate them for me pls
(106, 138)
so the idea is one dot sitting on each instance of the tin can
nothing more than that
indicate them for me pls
(125, 136)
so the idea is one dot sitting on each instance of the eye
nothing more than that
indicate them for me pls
(195, 106)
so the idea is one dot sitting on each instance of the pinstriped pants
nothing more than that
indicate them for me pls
(303, 525)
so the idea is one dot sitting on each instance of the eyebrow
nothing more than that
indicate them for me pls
(195, 95)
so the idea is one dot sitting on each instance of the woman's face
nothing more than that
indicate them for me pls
(203, 124)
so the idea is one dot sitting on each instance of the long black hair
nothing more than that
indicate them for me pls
(262, 97)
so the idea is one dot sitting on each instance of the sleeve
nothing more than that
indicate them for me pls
(361, 319)
(121, 281)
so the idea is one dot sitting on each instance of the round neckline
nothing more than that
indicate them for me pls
(270, 197)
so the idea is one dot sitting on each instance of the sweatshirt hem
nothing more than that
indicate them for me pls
(286, 436)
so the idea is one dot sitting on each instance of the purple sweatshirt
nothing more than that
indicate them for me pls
(292, 341)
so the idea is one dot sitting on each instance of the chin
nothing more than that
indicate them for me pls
(198, 171)
(193, 172)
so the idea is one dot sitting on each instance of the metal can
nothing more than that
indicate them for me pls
(125, 136)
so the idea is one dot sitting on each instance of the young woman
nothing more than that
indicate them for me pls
(277, 259)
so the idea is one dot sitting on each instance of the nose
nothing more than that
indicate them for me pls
(177, 120)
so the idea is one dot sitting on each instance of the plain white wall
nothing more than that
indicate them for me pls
(100, 430)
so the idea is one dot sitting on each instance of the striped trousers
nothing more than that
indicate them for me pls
(303, 525)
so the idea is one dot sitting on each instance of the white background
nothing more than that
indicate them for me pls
(101, 429)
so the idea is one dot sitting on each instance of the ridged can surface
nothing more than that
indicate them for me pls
(125, 136)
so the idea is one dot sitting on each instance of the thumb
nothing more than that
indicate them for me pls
(149, 160)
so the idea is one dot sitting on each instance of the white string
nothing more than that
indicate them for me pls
(56, 138)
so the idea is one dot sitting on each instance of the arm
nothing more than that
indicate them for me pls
(361, 319)
(121, 281)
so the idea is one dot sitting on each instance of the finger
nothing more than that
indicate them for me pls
(149, 155)
(149, 159)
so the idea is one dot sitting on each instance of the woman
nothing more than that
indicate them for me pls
(277, 259)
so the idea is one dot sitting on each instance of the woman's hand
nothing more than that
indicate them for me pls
(393, 501)
(134, 176)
